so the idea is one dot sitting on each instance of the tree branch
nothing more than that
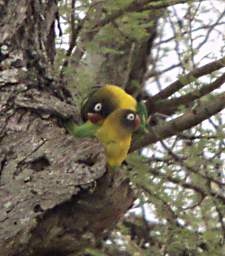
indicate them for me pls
(136, 6)
(168, 107)
(190, 77)
(188, 185)
(169, 39)
(189, 119)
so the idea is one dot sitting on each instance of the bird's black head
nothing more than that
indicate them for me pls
(130, 119)
(99, 104)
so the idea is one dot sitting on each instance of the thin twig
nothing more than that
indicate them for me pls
(188, 78)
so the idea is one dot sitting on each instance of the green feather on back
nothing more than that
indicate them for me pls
(86, 129)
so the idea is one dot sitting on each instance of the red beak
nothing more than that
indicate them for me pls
(94, 117)
(137, 122)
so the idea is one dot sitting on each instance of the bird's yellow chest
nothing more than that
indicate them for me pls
(116, 145)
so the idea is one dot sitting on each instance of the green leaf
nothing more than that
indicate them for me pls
(143, 113)
(94, 252)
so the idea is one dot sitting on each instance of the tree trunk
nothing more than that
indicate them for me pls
(55, 196)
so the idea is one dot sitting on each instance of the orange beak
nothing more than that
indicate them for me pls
(94, 117)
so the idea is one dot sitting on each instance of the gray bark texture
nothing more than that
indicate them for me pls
(55, 194)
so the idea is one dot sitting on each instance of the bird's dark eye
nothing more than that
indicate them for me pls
(98, 107)
(130, 117)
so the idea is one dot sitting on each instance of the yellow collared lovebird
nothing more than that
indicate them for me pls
(116, 135)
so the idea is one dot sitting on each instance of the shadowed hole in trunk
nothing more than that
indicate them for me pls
(39, 164)
(37, 208)
(90, 161)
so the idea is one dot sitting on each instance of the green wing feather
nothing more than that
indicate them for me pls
(86, 129)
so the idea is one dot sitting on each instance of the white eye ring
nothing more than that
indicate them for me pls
(131, 117)
(98, 107)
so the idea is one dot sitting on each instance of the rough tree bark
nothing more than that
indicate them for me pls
(55, 194)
